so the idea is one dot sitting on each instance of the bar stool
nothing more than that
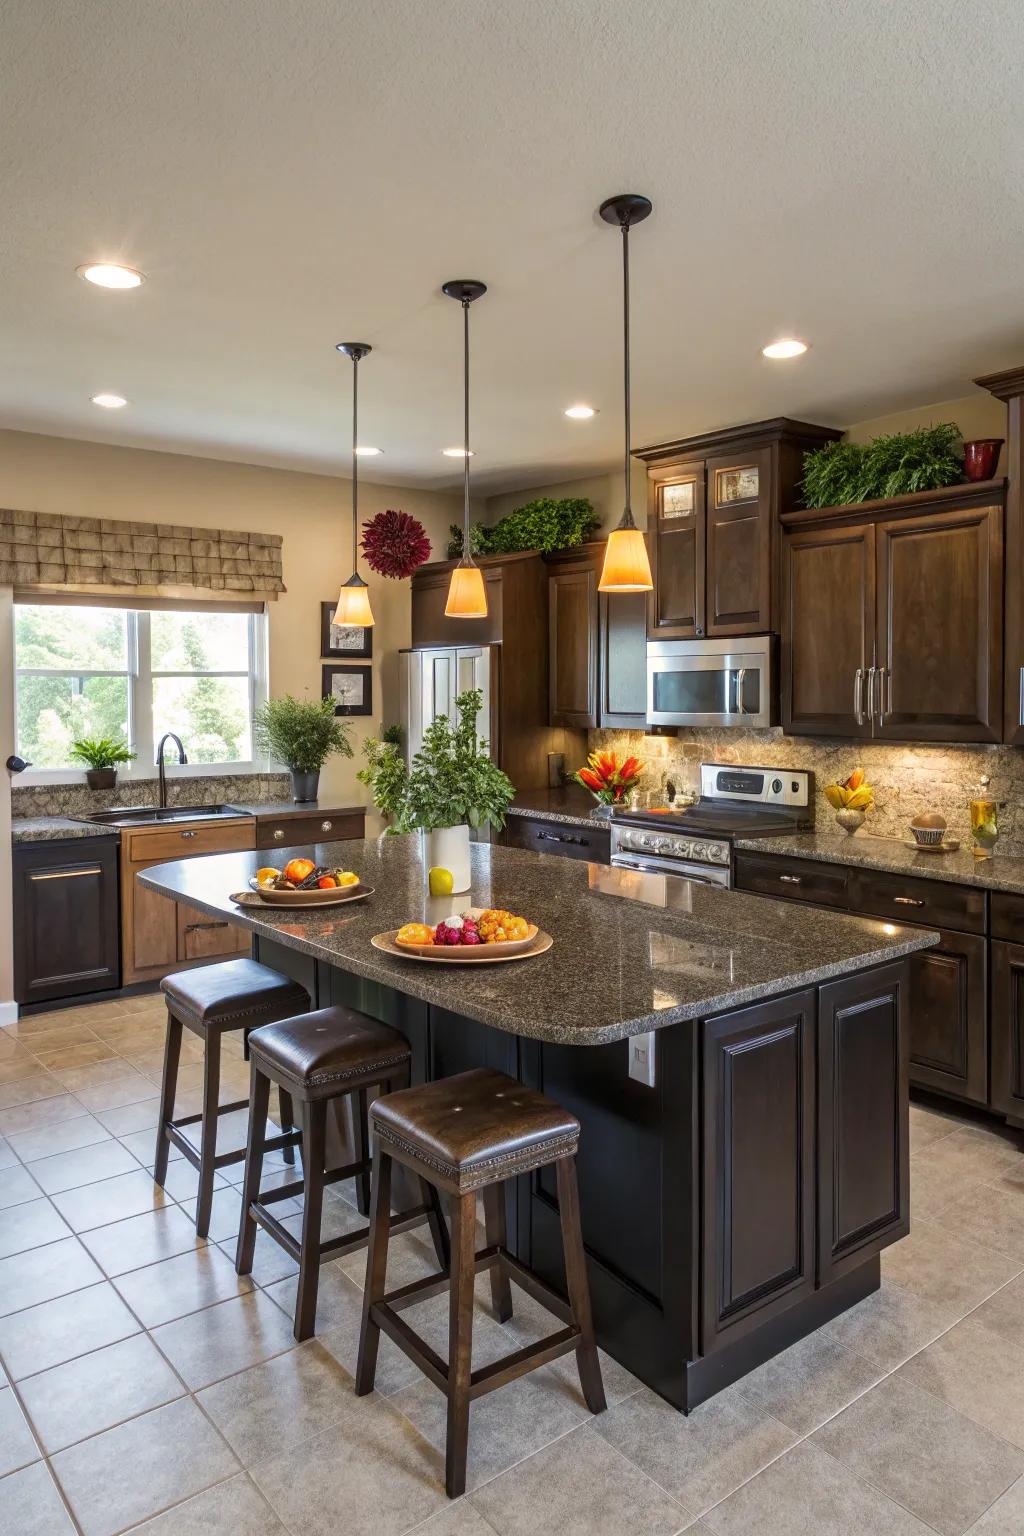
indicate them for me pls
(463, 1134)
(210, 1001)
(317, 1059)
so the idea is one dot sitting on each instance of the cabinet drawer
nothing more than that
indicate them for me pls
(154, 845)
(296, 831)
(201, 937)
(932, 903)
(1007, 917)
(591, 843)
(794, 879)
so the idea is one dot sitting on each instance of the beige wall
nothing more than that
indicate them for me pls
(53, 474)
(977, 415)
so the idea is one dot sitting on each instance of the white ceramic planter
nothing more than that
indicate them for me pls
(448, 848)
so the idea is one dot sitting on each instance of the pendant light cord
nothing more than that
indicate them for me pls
(627, 514)
(466, 551)
(355, 465)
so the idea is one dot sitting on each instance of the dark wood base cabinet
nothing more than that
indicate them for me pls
(1008, 1029)
(730, 1209)
(66, 941)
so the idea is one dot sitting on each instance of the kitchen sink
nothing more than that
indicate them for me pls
(146, 815)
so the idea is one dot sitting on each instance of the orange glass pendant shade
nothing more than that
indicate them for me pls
(354, 604)
(467, 596)
(626, 565)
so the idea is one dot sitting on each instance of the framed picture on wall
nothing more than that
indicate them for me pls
(343, 639)
(351, 688)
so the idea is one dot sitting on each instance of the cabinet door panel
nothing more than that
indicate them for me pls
(201, 937)
(65, 921)
(738, 544)
(153, 938)
(828, 606)
(1008, 1028)
(623, 701)
(676, 520)
(862, 1118)
(758, 1165)
(949, 1017)
(572, 638)
(939, 626)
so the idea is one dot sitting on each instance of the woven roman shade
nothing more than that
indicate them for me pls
(45, 550)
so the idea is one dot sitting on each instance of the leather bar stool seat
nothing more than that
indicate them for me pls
(210, 1001)
(465, 1134)
(318, 1059)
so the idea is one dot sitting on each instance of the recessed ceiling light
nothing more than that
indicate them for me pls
(581, 412)
(456, 453)
(368, 453)
(109, 402)
(106, 274)
(786, 346)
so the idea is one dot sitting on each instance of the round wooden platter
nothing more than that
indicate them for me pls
(336, 897)
(465, 954)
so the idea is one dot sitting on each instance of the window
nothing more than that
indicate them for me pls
(84, 671)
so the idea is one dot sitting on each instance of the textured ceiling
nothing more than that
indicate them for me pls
(295, 172)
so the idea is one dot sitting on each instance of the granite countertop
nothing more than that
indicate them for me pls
(52, 829)
(632, 952)
(999, 873)
(280, 809)
(568, 803)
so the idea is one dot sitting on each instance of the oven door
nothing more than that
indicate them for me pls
(711, 682)
(682, 869)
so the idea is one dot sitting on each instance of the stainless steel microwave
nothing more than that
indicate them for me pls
(712, 682)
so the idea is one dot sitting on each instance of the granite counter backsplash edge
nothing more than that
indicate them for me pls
(29, 801)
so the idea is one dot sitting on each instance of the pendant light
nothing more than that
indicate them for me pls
(467, 596)
(354, 597)
(626, 565)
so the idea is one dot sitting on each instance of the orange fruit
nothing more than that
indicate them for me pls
(414, 933)
(298, 869)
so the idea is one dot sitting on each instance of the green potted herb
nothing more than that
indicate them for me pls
(101, 756)
(302, 734)
(451, 785)
(385, 774)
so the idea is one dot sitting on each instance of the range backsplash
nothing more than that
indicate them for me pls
(906, 779)
(199, 789)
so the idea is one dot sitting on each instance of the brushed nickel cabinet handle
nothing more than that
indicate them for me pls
(196, 927)
(325, 826)
(858, 679)
(908, 901)
(791, 879)
(188, 834)
(279, 835)
(869, 693)
(67, 874)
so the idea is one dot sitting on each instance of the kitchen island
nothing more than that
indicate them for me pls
(738, 1066)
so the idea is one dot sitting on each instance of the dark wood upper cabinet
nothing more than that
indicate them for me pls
(1008, 386)
(597, 646)
(828, 608)
(938, 627)
(712, 512)
(892, 618)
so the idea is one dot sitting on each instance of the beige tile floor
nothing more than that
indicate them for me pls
(145, 1387)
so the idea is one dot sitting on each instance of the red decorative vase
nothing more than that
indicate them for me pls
(981, 457)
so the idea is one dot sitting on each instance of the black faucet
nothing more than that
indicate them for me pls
(167, 736)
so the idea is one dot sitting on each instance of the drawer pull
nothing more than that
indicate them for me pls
(792, 879)
(188, 834)
(325, 826)
(908, 901)
(198, 927)
(67, 874)
(555, 837)
(278, 834)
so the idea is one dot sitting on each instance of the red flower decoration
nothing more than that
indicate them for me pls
(394, 544)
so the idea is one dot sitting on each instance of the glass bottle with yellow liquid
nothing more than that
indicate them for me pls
(984, 820)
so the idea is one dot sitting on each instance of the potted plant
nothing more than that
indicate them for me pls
(452, 785)
(385, 774)
(302, 734)
(101, 755)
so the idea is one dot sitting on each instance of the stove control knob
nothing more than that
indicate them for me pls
(776, 786)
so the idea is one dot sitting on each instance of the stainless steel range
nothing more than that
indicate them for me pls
(695, 842)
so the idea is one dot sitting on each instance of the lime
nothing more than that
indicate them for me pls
(441, 882)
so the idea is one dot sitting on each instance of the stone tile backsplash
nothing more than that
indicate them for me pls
(906, 779)
(213, 789)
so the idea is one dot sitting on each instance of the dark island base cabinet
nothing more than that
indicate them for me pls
(729, 1210)
(66, 941)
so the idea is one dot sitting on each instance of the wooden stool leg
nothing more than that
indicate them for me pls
(436, 1223)
(284, 1100)
(376, 1271)
(460, 1341)
(362, 1129)
(259, 1098)
(576, 1283)
(208, 1149)
(168, 1086)
(494, 1224)
(313, 1136)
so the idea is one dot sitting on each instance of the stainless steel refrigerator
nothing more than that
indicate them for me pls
(431, 680)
